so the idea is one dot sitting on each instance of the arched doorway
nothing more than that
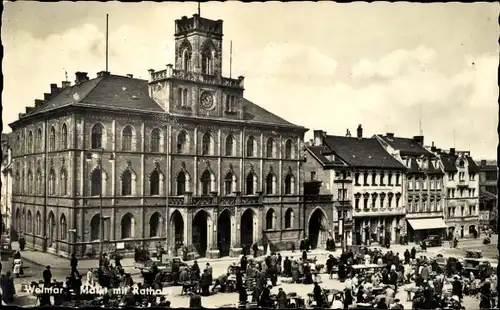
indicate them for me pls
(224, 233)
(318, 229)
(52, 230)
(462, 231)
(18, 220)
(246, 230)
(177, 232)
(472, 230)
(200, 232)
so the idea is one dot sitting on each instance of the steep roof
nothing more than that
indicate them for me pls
(320, 153)
(130, 94)
(365, 152)
(406, 146)
(449, 162)
(109, 91)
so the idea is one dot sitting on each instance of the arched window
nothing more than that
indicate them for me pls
(206, 182)
(63, 228)
(206, 144)
(270, 216)
(96, 188)
(186, 60)
(39, 140)
(52, 182)
(270, 148)
(23, 219)
(250, 146)
(97, 136)
(182, 142)
(126, 183)
(95, 228)
(154, 183)
(17, 187)
(127, 225)
(22, 182)
(39, 182)
(30, 142)
(38, 223)
(270, 184)
(289, 184)
(229, 183)
(52, 140)
(64, 137)
(30, 182)
(155, 225)
(289, 149)
(155, 140)
(29, 223)
(64, 183)
(289, 217)
(207, 61)
(229, 145)
(251, 183)
(181, 183)
(185, 97)
(127, 138)
(51, 225)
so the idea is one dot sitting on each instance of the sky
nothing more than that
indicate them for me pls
(392, 67)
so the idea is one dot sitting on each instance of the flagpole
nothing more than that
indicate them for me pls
(107, 40)
(231, 59)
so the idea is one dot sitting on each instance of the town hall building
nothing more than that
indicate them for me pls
(182, 157)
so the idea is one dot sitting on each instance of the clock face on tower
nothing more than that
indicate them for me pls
(207, 100)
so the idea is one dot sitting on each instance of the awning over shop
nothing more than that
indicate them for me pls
(432, 223)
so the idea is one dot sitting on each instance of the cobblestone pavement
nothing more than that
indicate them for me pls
(34, 272)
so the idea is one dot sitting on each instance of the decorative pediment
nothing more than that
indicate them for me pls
(357, 195)
(390, 195)
(398, 195)
(374, 196)
(382, 195)
(366, 195)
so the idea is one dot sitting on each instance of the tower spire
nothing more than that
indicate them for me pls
(230, 59)
(199, 9)
(107, 41)
(420, 121)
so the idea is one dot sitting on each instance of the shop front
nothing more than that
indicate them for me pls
(419, 229)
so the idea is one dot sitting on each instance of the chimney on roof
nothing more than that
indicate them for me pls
(130, 76)
(348, 133)
(452, 151)
(81, 77)
(38, 103)
(102, 74)
(419, 139)
(54, 89)
(483, 162)
(390, 135)
(318, 137)
(65, 84)
(46, 97)
(360, 132)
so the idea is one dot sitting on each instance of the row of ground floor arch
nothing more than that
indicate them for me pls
(210, 232)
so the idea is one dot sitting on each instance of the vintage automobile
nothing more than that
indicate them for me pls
(433, 240)
(6, 250)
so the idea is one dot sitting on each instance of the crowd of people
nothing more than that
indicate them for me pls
(370, 278)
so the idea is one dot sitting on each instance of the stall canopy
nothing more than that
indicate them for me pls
(422, 224)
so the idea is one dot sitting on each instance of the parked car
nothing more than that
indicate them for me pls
(433, 240)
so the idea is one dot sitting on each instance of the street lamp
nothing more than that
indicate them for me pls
(98, 155)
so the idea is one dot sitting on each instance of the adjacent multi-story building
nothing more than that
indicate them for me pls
(377, 188)
(6, 194)
(488, 194)
(335, 180)
(424, 185)
(461, 185)
(182, 157)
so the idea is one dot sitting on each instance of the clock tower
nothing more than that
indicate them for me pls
(198, 45)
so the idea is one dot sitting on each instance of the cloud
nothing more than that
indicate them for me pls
(290, 62)
(392, 99)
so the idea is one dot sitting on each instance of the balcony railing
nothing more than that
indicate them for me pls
(171, 73)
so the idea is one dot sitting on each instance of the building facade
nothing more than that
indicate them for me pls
(182, 157)
(377, 186)
(424, 185)
(335, 177)
(461, 185)
(488, 194)
(6, 194)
